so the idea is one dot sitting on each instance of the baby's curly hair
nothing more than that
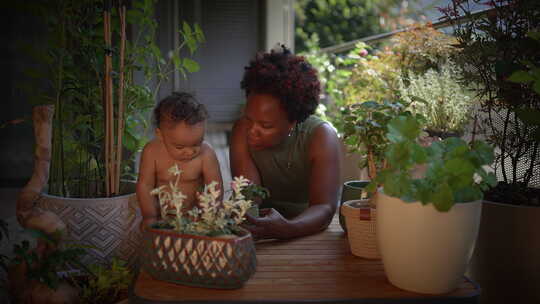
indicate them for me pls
(288, 77)
(178, 107)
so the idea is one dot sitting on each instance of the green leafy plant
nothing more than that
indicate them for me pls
(447, 103)
(108, 284)
(529, 77)
(101, 110)
(333, 73)
(422, 48)
(212, 217)
(365, 128)
(45, 267)
(455, 169)
(374, 75)
(492, 47)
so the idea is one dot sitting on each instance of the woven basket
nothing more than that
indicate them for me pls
(212, 262)
(361, 228)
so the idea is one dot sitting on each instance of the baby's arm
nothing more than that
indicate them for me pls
(210, 167)
(146, 183)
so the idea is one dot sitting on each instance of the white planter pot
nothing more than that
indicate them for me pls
(424, 250)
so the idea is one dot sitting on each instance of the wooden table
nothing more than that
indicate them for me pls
(314, 269)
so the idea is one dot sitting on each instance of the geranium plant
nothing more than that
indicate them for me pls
(211, 217)
(456, 170)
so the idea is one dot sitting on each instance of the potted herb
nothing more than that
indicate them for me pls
(447, 103)
(94, 48)
(426, 226)
(204, 246)
(493, 47)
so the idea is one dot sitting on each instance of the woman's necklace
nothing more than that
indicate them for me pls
(289, 157)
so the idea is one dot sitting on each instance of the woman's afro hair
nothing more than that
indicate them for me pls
(288, 77)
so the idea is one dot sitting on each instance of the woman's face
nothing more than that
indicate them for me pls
(268, 124)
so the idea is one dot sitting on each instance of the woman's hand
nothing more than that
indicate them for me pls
(269, 225)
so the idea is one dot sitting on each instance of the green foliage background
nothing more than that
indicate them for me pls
(339, 21)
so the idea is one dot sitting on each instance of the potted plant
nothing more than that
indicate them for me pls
(55, 274)
(364, 132)
(494, 46)
(204, 246)
(34, 274)
(447, 103)
(427, 225)
(94, 48)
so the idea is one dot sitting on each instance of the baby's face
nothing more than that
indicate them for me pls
(182, 141)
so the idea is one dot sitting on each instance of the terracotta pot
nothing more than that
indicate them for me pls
(213, 262)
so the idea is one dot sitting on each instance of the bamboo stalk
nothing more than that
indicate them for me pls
(107, 97)
(120, 130)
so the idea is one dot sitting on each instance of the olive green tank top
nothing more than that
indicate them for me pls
(285, 170)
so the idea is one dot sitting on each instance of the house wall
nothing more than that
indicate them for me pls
(17, 141)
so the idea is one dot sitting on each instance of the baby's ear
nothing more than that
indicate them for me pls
(158, 134)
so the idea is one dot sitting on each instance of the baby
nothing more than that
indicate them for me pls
(180, 125)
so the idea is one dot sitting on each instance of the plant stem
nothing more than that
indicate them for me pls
(120, 132)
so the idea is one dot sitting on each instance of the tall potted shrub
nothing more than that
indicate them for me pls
(493, 47)
(427, 225)
(93, 50)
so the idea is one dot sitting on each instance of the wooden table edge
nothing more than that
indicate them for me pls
(443, 299)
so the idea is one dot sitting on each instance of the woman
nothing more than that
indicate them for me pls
(278, 143)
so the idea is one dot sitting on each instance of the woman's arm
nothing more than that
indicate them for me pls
(325, 183)
(241, 162)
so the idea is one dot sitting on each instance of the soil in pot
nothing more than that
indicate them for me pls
(514, 194)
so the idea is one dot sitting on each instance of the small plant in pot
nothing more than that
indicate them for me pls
(427, 225)
(365, 127)
(204, 246)
(446, 103)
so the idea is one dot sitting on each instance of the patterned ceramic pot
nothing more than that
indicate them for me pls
(110, 225)
(213, 262)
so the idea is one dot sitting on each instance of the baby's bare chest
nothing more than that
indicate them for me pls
(191, 171)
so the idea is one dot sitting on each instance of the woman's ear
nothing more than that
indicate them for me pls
(158, 134)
